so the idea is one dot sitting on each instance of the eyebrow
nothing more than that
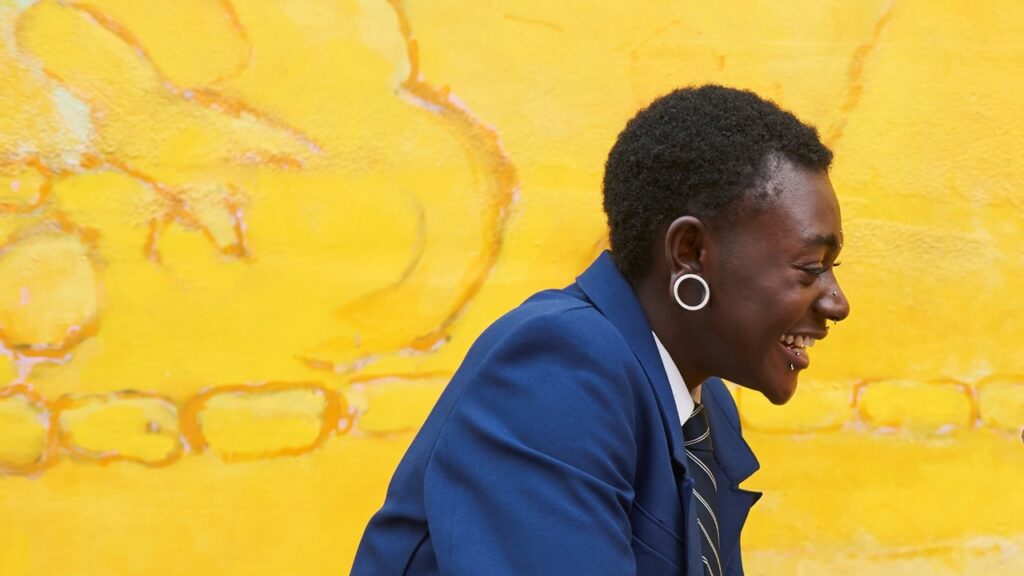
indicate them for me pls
(829, 240)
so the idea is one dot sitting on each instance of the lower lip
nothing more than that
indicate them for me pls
(800, 362)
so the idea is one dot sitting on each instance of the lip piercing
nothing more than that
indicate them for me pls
(792, 368)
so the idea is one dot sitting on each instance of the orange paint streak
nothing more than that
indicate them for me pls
(88, 236)
(995, 379)
(201, 96)
(336, 418)
(45, 189)
(238, 109)
(418, 249)
(741, 393)
(115, 28)
(77, 334)
(317, 364)
(150, 250)
(968, 391)
(53, 351)
(371, 378)
(126, 36)
(236, 23)
(974, 417)
(69, 402)
(483, 138)
(855, 76)
(178, 210)
(50, 454)
(859, 388)
(234, 207)
(282, 161)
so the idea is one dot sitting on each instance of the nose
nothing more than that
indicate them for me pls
(833, 303)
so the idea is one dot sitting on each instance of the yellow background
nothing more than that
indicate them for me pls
(243, 245)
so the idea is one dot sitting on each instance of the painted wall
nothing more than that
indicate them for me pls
(243, 244)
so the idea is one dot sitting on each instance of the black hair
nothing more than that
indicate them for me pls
(697, 151)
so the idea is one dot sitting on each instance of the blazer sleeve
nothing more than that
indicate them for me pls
(533, 470)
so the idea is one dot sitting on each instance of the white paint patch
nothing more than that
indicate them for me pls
(24, 4)
(25, 364)
(425, 104)
(77, 121)
(24, 296)
(15, 185)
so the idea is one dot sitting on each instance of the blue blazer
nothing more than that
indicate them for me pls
(556, 449)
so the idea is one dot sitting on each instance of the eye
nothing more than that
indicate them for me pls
(817, 269)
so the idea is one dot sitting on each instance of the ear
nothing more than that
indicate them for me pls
(686, 245)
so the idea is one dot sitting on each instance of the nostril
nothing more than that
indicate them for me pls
(838, 304)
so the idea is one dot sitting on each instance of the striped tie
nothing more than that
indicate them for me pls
(705, 489)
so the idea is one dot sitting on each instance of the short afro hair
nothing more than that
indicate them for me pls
(697, 151)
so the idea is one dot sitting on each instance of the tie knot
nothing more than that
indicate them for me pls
(696, 431)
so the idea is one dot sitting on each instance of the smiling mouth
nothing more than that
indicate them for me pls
(795, 346)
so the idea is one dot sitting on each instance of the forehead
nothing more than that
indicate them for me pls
(801, 210)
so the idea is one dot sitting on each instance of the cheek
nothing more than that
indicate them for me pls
(758, 312)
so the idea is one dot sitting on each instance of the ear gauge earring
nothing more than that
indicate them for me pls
(704, 285)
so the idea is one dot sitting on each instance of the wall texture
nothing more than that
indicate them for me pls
(243, 245)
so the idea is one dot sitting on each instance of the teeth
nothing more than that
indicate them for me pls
(799, 341)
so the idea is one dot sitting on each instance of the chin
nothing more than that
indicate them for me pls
(779, 393)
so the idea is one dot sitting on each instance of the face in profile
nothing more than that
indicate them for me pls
(773, 282)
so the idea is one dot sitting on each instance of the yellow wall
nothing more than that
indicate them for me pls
(243, 244)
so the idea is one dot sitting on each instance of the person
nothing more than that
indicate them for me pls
(588, 431)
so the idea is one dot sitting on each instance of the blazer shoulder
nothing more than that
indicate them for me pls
(556, 317)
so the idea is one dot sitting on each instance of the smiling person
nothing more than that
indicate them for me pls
(588, 430)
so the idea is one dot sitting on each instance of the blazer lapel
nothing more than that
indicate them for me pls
(736, 461)
(615, 299)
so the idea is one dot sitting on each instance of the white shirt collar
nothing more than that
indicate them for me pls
(683, 396)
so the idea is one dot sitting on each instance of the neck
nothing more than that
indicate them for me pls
(676, 328)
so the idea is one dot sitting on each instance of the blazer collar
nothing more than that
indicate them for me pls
(613, 296)
(732, 452)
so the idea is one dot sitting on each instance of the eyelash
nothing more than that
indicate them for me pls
(819, 270)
